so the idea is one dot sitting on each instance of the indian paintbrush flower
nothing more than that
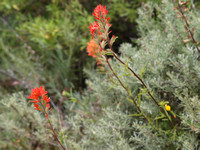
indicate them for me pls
(100, 33)
(40, 99)
(101, 25)
(92, 48)
(100, 13)
(95, 29)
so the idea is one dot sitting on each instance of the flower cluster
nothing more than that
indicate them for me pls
(40, 99)
(101, 25)
(100, 13)
(95, 28)
(99, 31)
(92, 48)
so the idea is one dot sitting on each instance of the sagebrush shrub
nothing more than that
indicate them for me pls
(142, 97)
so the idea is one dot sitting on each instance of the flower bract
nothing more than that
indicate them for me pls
(39, 98)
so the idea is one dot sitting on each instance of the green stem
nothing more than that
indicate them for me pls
(125, 89)
(137, 76)
(188, 27)
(52, 127)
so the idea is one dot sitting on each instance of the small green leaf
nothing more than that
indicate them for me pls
(135, 115)
(162, 103)
(113, 39)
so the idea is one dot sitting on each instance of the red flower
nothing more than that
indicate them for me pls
(37, 92)
(100, 13)
(40, 98)
(37, 107)
(92, 48)
(94, 28)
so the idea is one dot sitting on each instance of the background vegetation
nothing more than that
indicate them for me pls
(44, 43)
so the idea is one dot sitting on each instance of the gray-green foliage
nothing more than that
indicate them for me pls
(22, 127)
(113, 125)
(43, 42)
(173, 66)
(169, 68)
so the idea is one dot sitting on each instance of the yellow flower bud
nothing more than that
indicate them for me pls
(167, 107)
(47, 37)
(64, 93)
(15, 7)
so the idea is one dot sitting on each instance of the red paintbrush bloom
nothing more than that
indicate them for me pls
(37, 92)
(37, 107)
(94, 28)
(101, 25)
(40, 98)
(100, 13)
(92, 48)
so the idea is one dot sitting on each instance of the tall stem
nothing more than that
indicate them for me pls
(125, 88)
(55, 135)
(137, 76)
(52, 128)
(188, 27)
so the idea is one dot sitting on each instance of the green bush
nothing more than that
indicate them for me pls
(169, 67)
(101, 116)
(45, 49)
(22, 127)
(45, 41)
